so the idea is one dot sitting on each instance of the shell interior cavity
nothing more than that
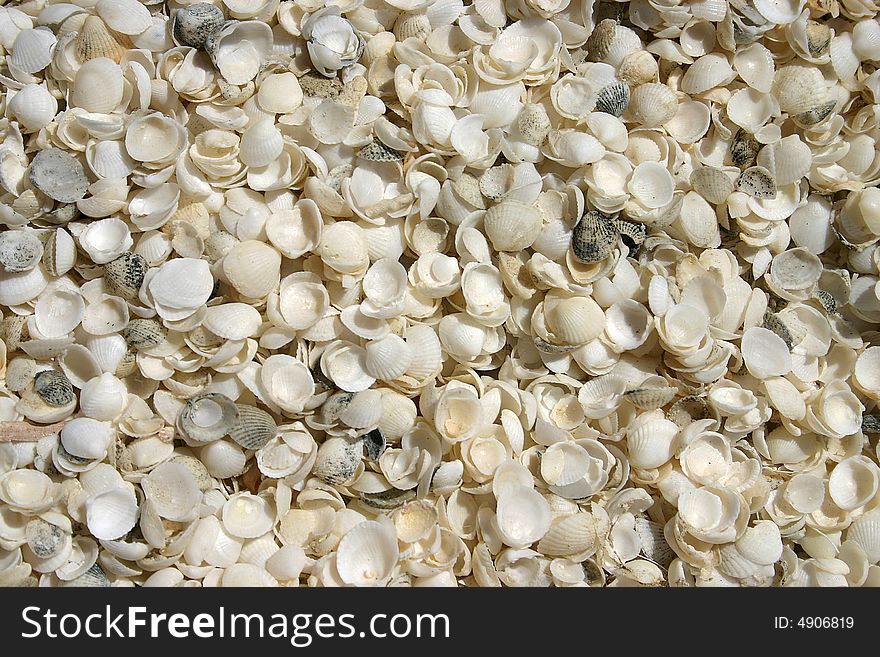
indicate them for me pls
(443, 293)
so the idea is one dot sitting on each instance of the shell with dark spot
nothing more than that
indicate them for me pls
(124, 276)
(254, 428)
(196, 24)
(376, 151)
(54, 388)
(594, 237)
(374, 444)
(613, 99)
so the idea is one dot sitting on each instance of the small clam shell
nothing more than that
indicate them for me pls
(765, 353)
(512, 226)
(58, 175)
(253, 268)
(44, 539)
(374, 444)
(653, 104)
(32, 50)
(338, 459)
(20, 250)
(98, 86)
(34, 107)
(125, 275)
(376, 151)
(650, 398)
(207, 417)
(743, 148)
(233, 321)
(594, 237)
(613, 99)
(144, 333)
(125, 16)
(253, 428)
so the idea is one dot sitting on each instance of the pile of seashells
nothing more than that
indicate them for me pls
(440, 293)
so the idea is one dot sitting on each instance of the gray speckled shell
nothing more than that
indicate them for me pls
(196, 24)
(337, 460)
(687, 409)
(757, 182)
(773, 323)
(255, 427)
(743, 148)
(632, 233)
(54, 388)
(124, 276)
(594, 237)
(43, 538)
(374, 444)
(613, 99)
(388, 499)
(202, 434)
(20, 250)
(376, 151)
(94, 577)
(144, 333)
(58, 175)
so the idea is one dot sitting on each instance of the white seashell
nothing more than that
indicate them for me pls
(388, 358)
(32, 50)
(707, 72)
(223, 459)
(103, 398)
(512, 226)
(180, 287)
(58, 311)
(367, 554)
(765, 353)
(21, 287)
(105, 240)
(754, 64)
(124, 16)
(651, 441)
(853, 482)
(261, 144)
(239, 48)
(232, 321)
(653, 104)
(296, 231)
(58, 175)
(172, 489)
(111, 514)
(247, 516)
(98, 86)
(651, 184)
(105, 315)
(523, 516)
(34, 107)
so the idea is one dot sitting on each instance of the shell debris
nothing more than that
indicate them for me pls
(457, 293)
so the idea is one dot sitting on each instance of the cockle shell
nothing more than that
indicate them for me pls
(58, 175)
(196, 24)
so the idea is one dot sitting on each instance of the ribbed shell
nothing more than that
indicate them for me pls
(255, 427)
(594, 237)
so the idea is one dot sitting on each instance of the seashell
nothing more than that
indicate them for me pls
(367, 554)
(650, 398)
(32, 50)
(613, 99)
(144, 333)
(98, 86)
(707, 72)
(799, 88)
(111, 514)
(124, 16)
(653, 104)
(34, 107)
(252, 268)
(332, 41)
(20, 251)
(765, 353)
(247, 516)
(743, 149)
(253, 427)
(512, 226)
(173, 491)
(196, 24)
(337, 460)
(374, 444)
(59, 253)
(594, 237)
(44, 539)
(388, 358)
(575, 536)
(54, 388)
(523, 516)
(757, 182)
(376, 151)
(853, 482)
(712, 184)
(280, 93)
(651, 441)
(96, 40)
(239, 48)
(223, 459)
(125, 275)
(208, 417)
(261, 144)
(651, 185)
(58, 175)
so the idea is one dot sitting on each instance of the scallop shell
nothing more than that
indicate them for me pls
(712, 184)
(96, 40)
(58, 175)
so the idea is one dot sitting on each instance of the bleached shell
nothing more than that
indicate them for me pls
(765, 353)
(173, 491)
(523, 516)
(86, 438)
(345, 365)
(799, 88)
(124, 16)
(653, 104)
(21, 287)
(297, 230)
(34, 107)
(232, 321)
(388, 358)
(239, 48)
(261, 144)
(711, 183)
(280, 93)
(154, 138)
(865, 531)
(512, 226)
(58, 311)
(651, 184)
(805, 493)
(707, 72)
(223, 459)
(367, 554)
(343, 247)
(853, 482)
(247, 516)
(698, 221)
(58, 175)
(575, 320)
(59, 253)
(111, 514)
(32, 50)
(105, 315)
(651, 441)
(795, 269)
(180, 286)
(98, 86)
(573, 535)
(20, 250)
(754, 64)
(690, 123)
(788, 159)
(253, 268)
(627, 324)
